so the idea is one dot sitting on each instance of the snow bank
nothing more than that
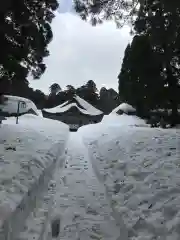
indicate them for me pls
(110, 123)
(49, 128)
(123, 120)
(125, 107)
(29, 156)
(140, 170)
(11, 105)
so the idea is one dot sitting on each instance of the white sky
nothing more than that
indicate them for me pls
(80, 52)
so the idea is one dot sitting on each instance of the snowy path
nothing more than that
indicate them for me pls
(140, 168)
(80, 200)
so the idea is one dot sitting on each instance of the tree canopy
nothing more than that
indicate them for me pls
(140, 80)
(96, 11)
(54, 89)
(25, 33)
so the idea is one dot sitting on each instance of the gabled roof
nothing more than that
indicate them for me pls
(77, 102)
(124, 107)
(74, 101)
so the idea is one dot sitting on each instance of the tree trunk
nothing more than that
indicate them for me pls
(173, 85)
(174, 114)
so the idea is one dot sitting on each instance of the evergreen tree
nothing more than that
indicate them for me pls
(125, 82)
(91, 92)
(108, 100)
(54, 89)
(70, 92)
(25, 33)
(88, 92)
(120, 11)
(160, 21)
(140, 80)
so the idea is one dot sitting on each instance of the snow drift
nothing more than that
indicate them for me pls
(30, 152)
(140, 170)
(110, 122)
(123, 120)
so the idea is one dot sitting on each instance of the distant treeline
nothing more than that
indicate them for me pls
(104, 99)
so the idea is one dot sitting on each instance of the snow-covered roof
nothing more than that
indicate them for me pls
(62, 109)
(11, 105)
(124, 107)
(63, 104)
(87, 108)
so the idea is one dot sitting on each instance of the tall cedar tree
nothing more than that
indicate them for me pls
(140, 80)
(89, 92)
(160, 21)
(25, 33)
(157, 19)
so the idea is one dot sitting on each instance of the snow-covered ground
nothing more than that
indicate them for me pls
(51, 129)
(80, 200)
(120, 182)
(140, 169)
(28, 155)
(115, 120)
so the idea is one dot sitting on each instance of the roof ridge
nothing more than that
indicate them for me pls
(76, 101)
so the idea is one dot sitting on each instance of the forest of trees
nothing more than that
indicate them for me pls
(105, 99)
(150, 73)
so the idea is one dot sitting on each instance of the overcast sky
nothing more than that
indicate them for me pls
(80, 52)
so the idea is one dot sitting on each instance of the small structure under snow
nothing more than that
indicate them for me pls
(10, 106)
(75, 112)
(124, 108)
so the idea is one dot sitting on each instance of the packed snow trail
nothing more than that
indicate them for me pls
(80, 200)
(140, 169)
